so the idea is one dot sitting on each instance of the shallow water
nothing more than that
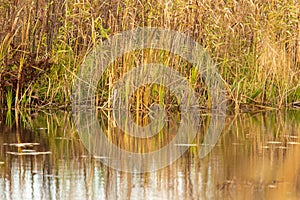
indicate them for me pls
(256, 157)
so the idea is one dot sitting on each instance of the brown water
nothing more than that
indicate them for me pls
(257, 157)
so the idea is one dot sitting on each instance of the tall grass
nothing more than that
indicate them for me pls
(255, 45)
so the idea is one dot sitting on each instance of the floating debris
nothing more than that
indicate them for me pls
(237, 144)
(186, 145)
(51, 176)
(272, 186)
(281, 147)
(274, 142)
(62, 138)
(205, 144)
(23, 144)
(100, 157)
(293, 143)
(45, 175)
(29, 153)
(28, 150)
(291, 136)
(41, 128)
(94, 157)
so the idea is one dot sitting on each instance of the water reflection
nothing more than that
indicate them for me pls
(257, 157)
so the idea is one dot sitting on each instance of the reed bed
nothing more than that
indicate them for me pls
(255, 45)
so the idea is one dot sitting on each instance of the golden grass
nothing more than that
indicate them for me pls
(255, 45)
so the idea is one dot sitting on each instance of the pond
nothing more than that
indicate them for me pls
(257, 157)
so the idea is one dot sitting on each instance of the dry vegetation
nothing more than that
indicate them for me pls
(255, 44)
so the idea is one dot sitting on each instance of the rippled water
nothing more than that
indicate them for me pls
(257, 157)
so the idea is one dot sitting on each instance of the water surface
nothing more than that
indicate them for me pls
(257, 157)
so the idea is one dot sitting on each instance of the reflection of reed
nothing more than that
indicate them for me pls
(136, 144)
(257, 157)
(261, 157)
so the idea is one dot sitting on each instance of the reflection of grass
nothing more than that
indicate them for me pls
(239, 166)
(262, 151)
(255, 46)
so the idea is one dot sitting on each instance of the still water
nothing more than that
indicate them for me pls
(257, 157)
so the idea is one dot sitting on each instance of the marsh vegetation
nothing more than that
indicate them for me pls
(255, 45)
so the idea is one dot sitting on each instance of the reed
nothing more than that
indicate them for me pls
(254, 44)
